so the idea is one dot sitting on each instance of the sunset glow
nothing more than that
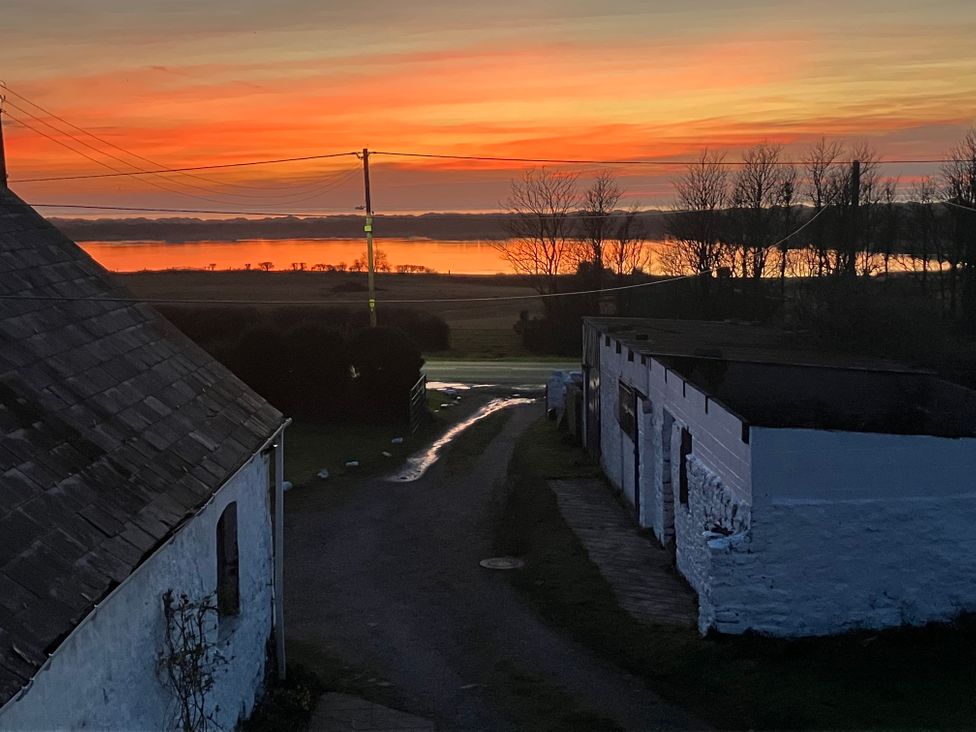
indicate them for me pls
(226, 82)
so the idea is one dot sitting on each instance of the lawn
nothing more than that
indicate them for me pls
(906, 678)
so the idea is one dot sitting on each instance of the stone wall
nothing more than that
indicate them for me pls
(713, 518)
(847, 531)
(104, 674)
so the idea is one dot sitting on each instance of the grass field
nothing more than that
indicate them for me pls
(911, 678)
(478, 329)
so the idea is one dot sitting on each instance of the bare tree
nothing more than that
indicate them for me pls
(887, 226)
(542, 205)
(825, 174)
(694, 226)
(923, 230)
(786, 215)
(625, 249)
(757, 190)
(959, 191)
(595, 222)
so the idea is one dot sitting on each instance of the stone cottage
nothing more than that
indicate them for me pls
(139, 480)
(799, 493)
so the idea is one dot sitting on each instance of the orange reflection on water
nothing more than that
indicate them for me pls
(458, 257)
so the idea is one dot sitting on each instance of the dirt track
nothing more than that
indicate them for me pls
(385, 577)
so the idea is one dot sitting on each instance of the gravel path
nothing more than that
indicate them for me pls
(385, 577)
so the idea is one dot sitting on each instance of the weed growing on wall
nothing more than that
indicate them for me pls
(188, 660)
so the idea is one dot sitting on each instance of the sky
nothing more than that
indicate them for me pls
(187, 83)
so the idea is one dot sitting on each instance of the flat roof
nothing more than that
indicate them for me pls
(767, 378)
(732, 341)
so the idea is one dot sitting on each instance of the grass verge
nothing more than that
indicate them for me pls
(287, 704)
(540, 706)
(310, 446)
(477, 437)
(904, 678)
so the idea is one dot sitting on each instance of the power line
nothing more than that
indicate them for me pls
(115, 171)
(111, 156)
(138, 209)
(348, 174)
(565, 161)
(396, 301)
(303, 158)
(391, 301)
(248, 163)
(958, 205)
(291, 194)
(294, 197)
(120, 148)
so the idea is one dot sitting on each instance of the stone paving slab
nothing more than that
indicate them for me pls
(344, 713)
(639, 572)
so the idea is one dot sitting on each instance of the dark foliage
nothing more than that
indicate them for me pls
(318, 363)
(211, 325)
(287, 704)
(385, 365)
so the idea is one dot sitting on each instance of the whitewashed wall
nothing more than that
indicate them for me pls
(853, 530)
(716, 432)
(616, 448)
(797, 532)
(104, 675)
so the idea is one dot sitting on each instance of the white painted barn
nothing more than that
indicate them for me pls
(799, 494)
(131, 465)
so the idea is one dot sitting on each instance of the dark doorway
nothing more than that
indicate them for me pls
(683, 467)
(667, 488)
(228, 563)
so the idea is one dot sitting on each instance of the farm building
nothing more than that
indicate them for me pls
(798, 493)
(140, 487)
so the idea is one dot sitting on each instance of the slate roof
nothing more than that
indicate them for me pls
(114, 429)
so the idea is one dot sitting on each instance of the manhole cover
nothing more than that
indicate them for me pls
(502, 563)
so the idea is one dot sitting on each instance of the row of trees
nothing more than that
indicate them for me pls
(555, 228)
(826, 218)
(381, 263)
(759, 220)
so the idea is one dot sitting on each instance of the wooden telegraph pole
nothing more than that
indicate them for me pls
(3, 159)
(855, 232)
(368, 228)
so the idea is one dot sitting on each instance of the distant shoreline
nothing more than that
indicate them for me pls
(437, 227)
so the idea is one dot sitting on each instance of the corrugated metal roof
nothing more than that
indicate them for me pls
(114, 428)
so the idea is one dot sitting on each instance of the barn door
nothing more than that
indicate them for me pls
(667, 489)
(592, 383)
(638, 437)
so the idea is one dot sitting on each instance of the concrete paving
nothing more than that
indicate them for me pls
(640, 572)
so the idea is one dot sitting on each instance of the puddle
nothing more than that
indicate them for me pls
(457, 386)
(420, 463)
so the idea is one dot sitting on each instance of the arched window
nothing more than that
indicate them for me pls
(228, 564)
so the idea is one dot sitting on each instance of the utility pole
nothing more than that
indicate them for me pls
(3, 158)
(855, 216)
(368, 228)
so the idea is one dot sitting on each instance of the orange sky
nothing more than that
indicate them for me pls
(231, 81)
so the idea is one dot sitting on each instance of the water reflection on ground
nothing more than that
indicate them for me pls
(420, 463)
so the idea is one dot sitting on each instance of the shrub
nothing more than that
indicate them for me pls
(300, 358)
(386, 365)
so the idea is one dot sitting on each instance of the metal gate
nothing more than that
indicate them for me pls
(418, 403)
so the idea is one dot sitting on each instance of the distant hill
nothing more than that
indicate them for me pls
(429, 226)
